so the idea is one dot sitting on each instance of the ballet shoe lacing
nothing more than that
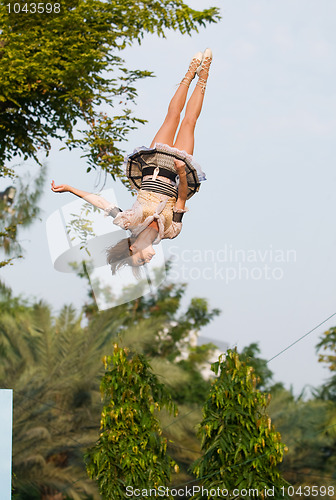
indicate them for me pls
(203, 70)
(193, 67)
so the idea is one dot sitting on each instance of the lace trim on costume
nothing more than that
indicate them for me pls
(181, 210)
(168, 149)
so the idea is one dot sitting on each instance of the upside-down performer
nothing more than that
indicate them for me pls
(165, 175)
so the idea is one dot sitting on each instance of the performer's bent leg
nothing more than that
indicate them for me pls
(167, 131)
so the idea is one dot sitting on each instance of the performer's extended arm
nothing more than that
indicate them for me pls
(94, 199)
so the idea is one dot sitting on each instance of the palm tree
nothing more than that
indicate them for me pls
(54, 366)
(56, 403)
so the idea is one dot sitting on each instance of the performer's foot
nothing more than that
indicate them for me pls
(203, 69)
(193, 67)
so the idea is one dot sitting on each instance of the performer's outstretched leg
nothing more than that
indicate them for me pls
(168, 129)
(185, 136)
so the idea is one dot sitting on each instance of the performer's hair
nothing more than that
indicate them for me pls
(120, 255)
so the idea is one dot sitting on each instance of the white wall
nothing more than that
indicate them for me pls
(6, 416)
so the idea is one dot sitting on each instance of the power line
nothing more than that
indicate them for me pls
(175, 421)
(194, 409)
(279, 353)
(302, 337)
(183, 448)
(180, 418)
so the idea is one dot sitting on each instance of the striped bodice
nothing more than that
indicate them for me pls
(158, 186)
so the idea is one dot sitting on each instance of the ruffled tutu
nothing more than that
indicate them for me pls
(162, 156)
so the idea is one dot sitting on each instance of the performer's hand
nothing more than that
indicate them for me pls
(62, 188)
(179, 166)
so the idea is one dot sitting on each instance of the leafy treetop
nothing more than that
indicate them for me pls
(241, 448)
(131, 450)
(58, 69)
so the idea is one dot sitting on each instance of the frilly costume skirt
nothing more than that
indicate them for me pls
(162, 156)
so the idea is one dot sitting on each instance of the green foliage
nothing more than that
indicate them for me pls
(54, 366)
(309, 429)
(328, 343)
(241, 448)
(59, 69)
(19, 213)
(176, 327)
(250, 355)
(155, 326)
(80, 227)
(131, 450)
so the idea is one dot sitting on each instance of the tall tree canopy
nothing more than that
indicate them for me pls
(58, 69)
(130, 451)
(241, 447)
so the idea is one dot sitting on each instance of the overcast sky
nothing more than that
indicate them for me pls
(259, 239)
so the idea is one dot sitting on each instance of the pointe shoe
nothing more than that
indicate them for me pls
(194, 65)
(203, 69)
